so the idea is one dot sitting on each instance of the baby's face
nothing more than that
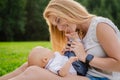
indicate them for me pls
(46, 55)
(39, 56)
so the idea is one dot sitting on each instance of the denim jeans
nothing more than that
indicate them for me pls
(97, 78)
(80, 67)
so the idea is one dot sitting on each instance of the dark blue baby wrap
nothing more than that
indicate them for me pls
(79, 66)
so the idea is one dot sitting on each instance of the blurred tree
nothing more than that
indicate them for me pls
(23, 19)
(36, 27)
(12, 19)
(105, 8)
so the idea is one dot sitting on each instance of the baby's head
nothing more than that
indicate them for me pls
(39, 56)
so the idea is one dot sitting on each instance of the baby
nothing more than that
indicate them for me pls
(53, 61)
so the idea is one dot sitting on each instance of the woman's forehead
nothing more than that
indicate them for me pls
(56, 20)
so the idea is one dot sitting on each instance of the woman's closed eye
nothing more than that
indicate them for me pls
(60, 21)
(57, 20)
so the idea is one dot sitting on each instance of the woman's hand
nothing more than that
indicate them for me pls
(73, 36)
(76, 46)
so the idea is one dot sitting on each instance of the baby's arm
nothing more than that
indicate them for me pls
(65, 69)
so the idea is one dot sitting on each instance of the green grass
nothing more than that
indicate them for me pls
(14, 54)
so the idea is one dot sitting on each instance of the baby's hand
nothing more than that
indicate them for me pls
(73, 59)
(73, 36)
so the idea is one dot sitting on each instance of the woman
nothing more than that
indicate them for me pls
(100, 46)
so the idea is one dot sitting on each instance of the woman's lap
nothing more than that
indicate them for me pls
(37, 73)
(34, 73)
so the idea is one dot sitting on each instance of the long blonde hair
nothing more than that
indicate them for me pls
(70, 10)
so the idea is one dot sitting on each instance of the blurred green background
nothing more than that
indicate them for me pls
(22, 20)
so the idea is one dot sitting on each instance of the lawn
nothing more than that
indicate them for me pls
(13, 54)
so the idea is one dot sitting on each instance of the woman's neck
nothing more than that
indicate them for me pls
(83, 28)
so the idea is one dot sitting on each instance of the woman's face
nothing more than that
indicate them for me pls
(62, 24)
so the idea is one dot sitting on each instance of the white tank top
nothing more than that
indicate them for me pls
(93, 47)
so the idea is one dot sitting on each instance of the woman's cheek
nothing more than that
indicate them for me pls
(71, 30)
(60, 28)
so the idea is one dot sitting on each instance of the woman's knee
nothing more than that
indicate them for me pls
(32, 69)
(35, 70)
(31, 73)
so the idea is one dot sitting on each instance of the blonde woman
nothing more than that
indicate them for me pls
(100, 46)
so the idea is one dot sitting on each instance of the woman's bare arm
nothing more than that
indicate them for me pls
(111, 44)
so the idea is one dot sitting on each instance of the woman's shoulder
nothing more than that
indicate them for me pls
(94, 24)
(99, 19)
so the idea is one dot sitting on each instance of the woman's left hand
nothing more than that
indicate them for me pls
(76, 46)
